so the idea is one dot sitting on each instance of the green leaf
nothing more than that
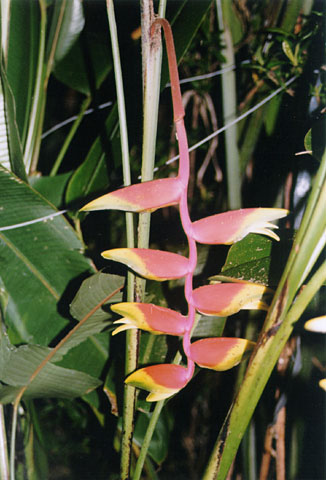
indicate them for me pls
(184, 26)
(39, 263)
(251, 259)
(288, 52)
(72, 24)
(88, 349)
(209, 327)
(11, 155)
(308, 141)
(234, 21)
(52, 188)
(92, 175)
(93, 55)
(18, 364)
(23, 25)
(34, 444)
(159, 445)
(314, 140)
(92, 291)
(271, 113)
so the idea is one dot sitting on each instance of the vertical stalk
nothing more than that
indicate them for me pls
(132, 336)
(229, 104)
(152, 60)
(4, 463)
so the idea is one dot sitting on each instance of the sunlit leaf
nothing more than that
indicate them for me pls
(72, 24)
(257, 259)
(39, 261)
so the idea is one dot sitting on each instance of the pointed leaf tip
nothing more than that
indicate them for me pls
(162, 381)
(142, 197)
(224, 299)
(149, 317)
(220, 353)
(151, 264)
(230, 227)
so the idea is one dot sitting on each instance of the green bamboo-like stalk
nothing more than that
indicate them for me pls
(131, 337)
(229, 104)
(278, 326)
(4, 462)
(152, 60)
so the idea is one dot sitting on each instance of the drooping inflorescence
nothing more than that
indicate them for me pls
(220, 353)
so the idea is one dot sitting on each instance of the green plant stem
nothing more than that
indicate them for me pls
(131, 336)
(150, 430)
(229, 104)
(276, 331)
(38, 100)
(152, 60)
(147, 439)
(69, 137)
(4, 462)
(13, 441)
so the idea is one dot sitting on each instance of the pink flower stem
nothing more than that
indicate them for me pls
(183, 175)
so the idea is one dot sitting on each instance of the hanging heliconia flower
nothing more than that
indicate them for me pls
(164, 380)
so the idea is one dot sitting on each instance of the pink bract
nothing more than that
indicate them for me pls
(142, 197)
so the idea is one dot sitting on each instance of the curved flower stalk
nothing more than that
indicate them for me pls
(163, 381)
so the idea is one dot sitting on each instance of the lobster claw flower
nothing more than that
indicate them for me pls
(151, 264)
(161, 381)
(224, 299)
(149, 317)
(142, 197)
(230, 227)
(317, 324)
(220, 353)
